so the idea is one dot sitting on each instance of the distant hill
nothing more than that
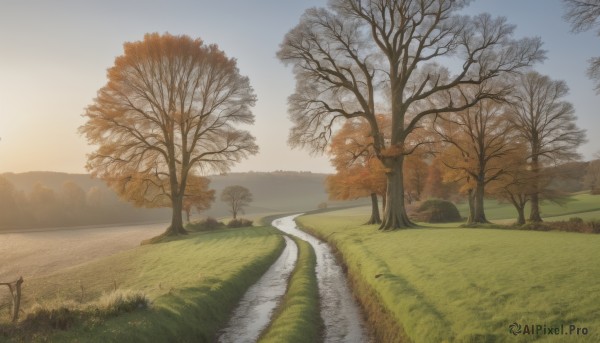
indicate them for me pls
(280, 191)
(54, 180)
(273, 192)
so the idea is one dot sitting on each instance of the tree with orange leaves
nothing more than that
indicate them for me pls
(359, 172)
(169, 110)
(197, 195)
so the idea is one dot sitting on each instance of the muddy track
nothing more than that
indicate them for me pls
(341, 313)
(254, 311)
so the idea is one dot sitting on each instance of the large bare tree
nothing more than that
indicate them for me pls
(546, 122)
(168, 110)
(353, 54)
(583, 15)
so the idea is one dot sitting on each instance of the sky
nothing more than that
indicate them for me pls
(54, 56)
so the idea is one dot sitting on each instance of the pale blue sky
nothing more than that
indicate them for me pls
(54, 56)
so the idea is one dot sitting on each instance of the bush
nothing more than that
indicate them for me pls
(574, 224)
(59, 316)
(576, 220)
(437, 211)
(121, 301)
(207, 224)
(62, 315)
(239, 223)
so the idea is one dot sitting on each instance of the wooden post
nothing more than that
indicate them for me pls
(15, 294)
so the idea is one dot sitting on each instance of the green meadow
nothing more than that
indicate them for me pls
(440, 283)
(193, 284)
(583, 205)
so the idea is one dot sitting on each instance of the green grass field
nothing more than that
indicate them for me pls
(468, 285)
(297, 318)
(581, 205)
(193, 283)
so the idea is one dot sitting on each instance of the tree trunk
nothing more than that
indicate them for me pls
(187, 215)
(479, 213)
(176, 227)
(394, 216)
(375, 218)
(471, 200)
(521, 214)
(534, 215)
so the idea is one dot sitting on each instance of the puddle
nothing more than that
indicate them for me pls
(340, 312)
(254, 311)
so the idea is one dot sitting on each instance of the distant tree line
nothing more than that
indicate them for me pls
(70, 205)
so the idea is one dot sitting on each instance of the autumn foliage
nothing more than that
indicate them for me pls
(167, 113)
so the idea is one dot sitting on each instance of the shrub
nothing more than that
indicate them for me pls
(121, 301)
(574, 224)
(55, 315)
(62, 315)
(576, 220)
(207, 224)
(239, 223)
(437, 211)
(322, 206)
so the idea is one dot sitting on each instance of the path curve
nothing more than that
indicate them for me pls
(340, 312)
(254, 311)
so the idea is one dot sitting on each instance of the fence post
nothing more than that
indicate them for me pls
(15, 294)
(17, 300)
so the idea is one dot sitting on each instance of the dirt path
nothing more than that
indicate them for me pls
(255, 309)
(340, 312)
(34, 254)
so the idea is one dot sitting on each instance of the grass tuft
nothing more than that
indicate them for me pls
(121, 301)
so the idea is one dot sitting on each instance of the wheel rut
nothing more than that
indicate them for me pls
(340, 311)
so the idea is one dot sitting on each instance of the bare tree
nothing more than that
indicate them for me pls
(583, 15)
(514, 185)
(591, 180)
(354, 53)
(168, 109)
(237, 197)
(477, 140)
(547, 123)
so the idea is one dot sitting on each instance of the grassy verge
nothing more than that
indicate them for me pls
(193, 283)
(467, 285)
(297, 318)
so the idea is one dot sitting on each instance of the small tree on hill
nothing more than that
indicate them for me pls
(237, 197)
